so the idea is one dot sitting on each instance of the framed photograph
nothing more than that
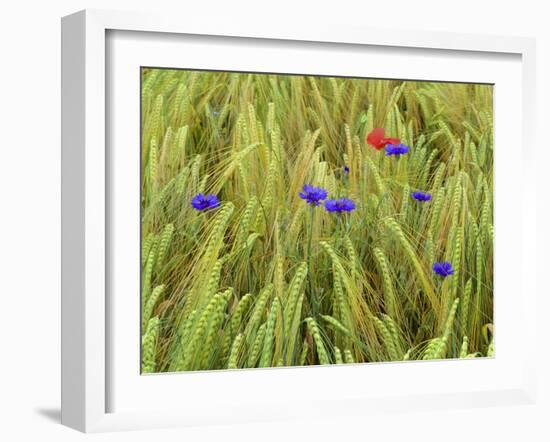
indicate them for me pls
(263, 224)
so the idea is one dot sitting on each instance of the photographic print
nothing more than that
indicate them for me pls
(292, 220)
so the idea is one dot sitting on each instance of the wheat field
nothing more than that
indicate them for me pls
(385, 255)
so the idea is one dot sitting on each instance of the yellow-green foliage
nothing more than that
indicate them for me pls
(149, 346)
(265, 280)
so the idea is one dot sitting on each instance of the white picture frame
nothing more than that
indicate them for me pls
(86, 205)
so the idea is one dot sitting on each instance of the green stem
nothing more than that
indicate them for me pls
(337, 233)
(309, 241)
(314, 300)
(342, 229)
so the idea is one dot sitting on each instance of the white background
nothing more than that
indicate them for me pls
(30, 216)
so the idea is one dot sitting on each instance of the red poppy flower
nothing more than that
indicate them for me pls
(377, 140)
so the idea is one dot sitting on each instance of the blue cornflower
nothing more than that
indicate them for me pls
(421, 196)
(443, 269)
(313, 195)
(201, 202)
(346, 169)
(339, 206)
(396, 149)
